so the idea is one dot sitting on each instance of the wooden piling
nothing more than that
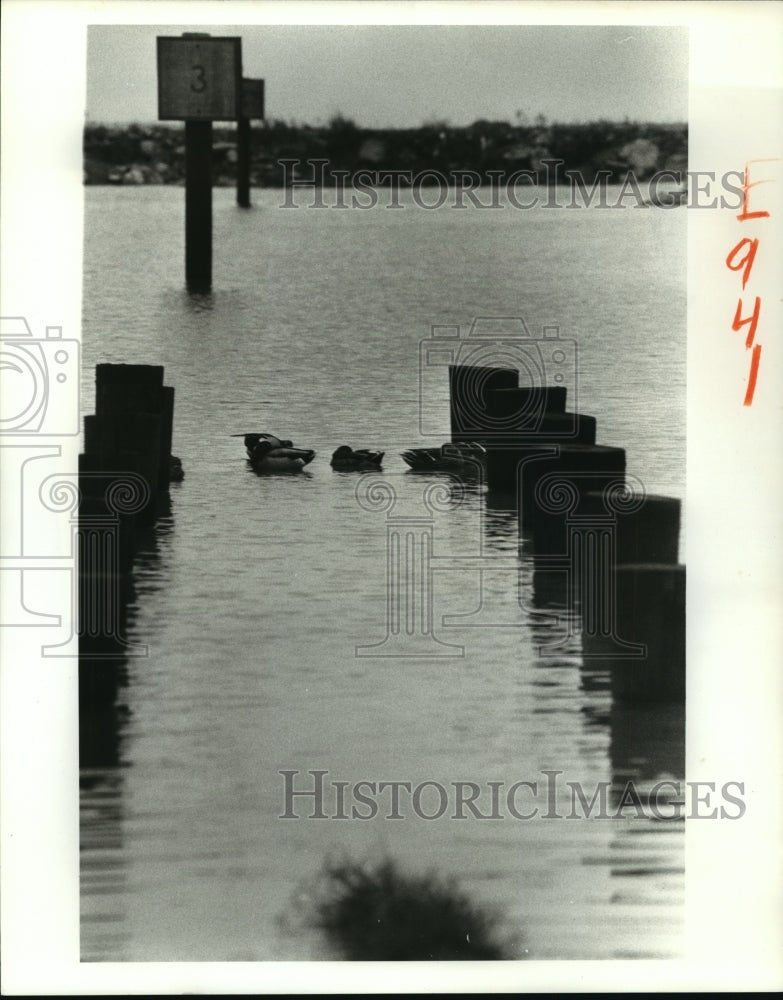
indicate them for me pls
(95, 481)
(133, 390)
(584, 468)
(644, 528)
(523, 405)
(516, 470)
(130, 433)
(91, 434)
(524, 416)
(649, 533)
(468, 388)
(115, 375)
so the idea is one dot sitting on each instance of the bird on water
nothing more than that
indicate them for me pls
(269, 453)
(451, 457)
(347, 459)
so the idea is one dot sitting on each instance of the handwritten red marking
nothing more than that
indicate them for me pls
(753, 320)
(754, 370)
(739, 261)
(747, 261)
(746, 186)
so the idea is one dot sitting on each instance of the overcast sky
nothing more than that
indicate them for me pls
(399, 75)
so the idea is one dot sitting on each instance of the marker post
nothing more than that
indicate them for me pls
(252, 106)
(199, 81)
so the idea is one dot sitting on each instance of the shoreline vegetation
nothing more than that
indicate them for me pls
(155, 154)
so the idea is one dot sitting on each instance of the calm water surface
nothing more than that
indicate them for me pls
(254, 592)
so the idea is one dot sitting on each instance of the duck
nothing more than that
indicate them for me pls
(252, 440)
(345, 459)
(451, 457)
(176, 472)
(267, 456)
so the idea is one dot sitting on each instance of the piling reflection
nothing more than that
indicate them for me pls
(104, 719)
(645, 857)
(197, 301)
(500, 526)
(647, 744)
(644, 850)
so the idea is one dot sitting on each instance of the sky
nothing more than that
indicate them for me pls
(398, 76)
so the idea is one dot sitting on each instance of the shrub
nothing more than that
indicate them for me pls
(378, 913)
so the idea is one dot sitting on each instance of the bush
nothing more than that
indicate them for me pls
(378, 913)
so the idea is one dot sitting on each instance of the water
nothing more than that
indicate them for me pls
(254, 592)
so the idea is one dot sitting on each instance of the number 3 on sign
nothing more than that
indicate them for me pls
(199, 84)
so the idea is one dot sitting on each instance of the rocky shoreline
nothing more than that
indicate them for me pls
(155, 154)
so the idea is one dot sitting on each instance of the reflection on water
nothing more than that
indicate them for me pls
(104, 719)
(254, 592)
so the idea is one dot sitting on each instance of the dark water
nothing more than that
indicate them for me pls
(255, 592)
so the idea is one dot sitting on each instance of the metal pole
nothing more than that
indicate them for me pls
(243, 162)
(198, 205)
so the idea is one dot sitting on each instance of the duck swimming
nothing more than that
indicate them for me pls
(345, 459)
(267, 456)
(176, 472)
(451, 457)
(252, 440)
